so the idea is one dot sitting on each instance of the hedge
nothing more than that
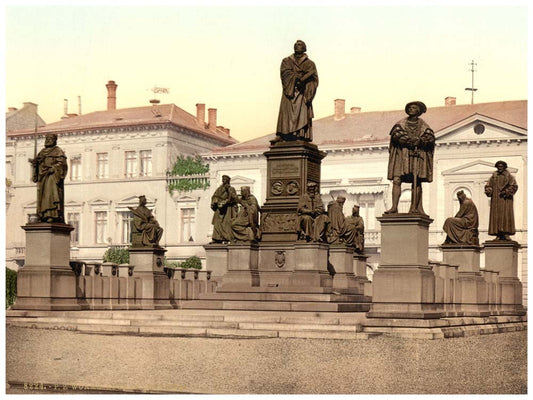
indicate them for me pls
(11, 287)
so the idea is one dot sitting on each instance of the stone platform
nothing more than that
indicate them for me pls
(258, 324)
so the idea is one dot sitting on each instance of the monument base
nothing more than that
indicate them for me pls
(46, 281)
(154, 287)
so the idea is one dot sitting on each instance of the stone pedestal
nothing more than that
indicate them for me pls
(148, 263)
(404, 284)
(472, 295)
(341, 262)
(466, 257)
(242, 271)
(216, 258)
(311, 265)
(290, 166)
(502, 256)
(47, 282)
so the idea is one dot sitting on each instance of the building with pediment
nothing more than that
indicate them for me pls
(114, 156)
(469, 140)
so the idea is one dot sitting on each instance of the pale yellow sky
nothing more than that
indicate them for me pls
(375, 57)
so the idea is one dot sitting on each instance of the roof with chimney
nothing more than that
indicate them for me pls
(372, 128)
(136, 116)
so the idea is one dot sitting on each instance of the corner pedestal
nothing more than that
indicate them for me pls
(404, 284)
(242, 271)
(47, 282)
(341, 261)
(311, 267)
(502, 256)
(216, 257)
(155, 287)
(465, 257)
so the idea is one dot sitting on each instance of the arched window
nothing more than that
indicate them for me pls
(456, 204)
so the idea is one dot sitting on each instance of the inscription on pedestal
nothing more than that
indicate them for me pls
(284, 168)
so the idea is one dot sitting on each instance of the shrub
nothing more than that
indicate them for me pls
(117, 256)
(192, 262)
(11, 287)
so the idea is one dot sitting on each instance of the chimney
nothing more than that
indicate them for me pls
(449, 101)
(226, 130)
(79, 105)
(111, 95)
(212, 119)
(355, 110)
(200, 115)
(339, 109)
(12, 109)
(65, 109)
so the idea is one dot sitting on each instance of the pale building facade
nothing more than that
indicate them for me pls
(113, 157)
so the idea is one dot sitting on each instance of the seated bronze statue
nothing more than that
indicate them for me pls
(146, 231)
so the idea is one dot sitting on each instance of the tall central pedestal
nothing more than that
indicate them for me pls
(404, 284)
(290, 166)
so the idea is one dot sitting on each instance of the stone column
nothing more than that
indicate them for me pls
(404, 283)
(154, 291)
(502, 256)
(242, 271)
(47, 282)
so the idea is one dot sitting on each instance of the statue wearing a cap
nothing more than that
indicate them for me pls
(412, 143)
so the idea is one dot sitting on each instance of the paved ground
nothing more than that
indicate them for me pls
(479, 364)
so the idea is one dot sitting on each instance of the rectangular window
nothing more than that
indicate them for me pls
(126, 221)
(102, 165)
(74, 220)
(131, 164)
(146, 163)
(100, 223)
(187, 224)
(75, 169)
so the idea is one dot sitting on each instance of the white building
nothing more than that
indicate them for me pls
(114, 156)
(469, 140)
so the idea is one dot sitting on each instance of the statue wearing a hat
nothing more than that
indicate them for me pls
(411, 147)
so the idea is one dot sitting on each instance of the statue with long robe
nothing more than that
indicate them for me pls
(312, 217)
(299, 79)
(354, 232)
(49, 171)
(411, 147)
(501, 188)
(245, 225)
(224, 205)
(146, 231)
(336, 218)
(463, 228)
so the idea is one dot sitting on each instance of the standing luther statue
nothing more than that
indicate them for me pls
(49, 171)
(299, 79)
(501, 188)
(411, 147)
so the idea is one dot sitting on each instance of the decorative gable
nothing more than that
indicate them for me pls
(479, 128)
(475, 167)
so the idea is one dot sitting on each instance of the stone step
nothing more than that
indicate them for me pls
(275, 306)
(269, 296)
(213, 329)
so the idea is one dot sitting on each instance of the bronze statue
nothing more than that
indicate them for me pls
(244, 226)
(463, 228)
(146, 231)
(299, 79)
(354, 234)
(336, 218)
(501, 188)
(49, 171)
(312, 218)
(224, 204)
(410, 156)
